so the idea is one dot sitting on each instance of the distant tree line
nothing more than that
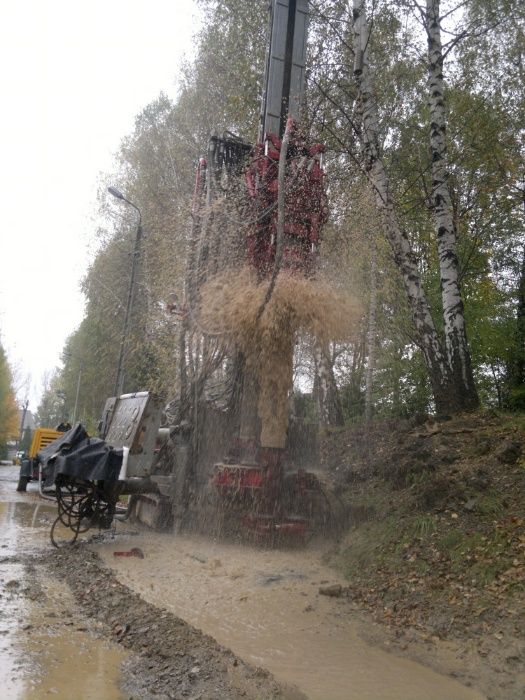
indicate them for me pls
(9, 424)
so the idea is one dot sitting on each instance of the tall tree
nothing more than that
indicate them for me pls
(457, 349)
(52, 409)
(445, 394)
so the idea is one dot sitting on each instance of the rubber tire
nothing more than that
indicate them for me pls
(22, 483)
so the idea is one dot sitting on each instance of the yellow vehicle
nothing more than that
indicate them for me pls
(42, 437)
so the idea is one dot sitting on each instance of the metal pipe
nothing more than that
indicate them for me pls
(130, 487)
(287, 69)
(40, 488)
(134, 486)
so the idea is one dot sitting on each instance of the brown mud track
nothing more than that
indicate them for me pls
(169, 658)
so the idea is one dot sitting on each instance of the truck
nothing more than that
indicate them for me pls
(29, 463)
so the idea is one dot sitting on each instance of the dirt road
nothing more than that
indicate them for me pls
(42, 638)
(263, 605)
(69, 630)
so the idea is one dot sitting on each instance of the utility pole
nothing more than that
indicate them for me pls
(119, 384)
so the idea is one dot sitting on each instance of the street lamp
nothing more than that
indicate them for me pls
(136, 252)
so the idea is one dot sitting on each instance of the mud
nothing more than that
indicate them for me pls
(62, 652)
(265, 606)
(42, 636)
(68, 629)
(171, 659)
(67, 610)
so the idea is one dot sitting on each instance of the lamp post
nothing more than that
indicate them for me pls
(119, 384)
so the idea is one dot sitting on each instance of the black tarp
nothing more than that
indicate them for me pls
(67, 440)
(76, 455)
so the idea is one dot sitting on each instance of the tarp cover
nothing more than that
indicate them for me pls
(76, 455)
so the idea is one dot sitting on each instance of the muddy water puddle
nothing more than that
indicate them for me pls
(45, 649)
(25, 526)
(12, 683)
(265, 606)
(61, 658)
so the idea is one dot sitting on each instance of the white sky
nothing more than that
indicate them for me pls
(73, 76)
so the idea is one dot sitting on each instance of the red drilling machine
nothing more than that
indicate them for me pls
(284, 208)
(255, 482)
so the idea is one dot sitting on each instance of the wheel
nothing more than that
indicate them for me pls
(22, 483)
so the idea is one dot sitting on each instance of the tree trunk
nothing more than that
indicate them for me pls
(516, 365)
(371, 336)
(329, 409)
(458, 353)
(520, 328)
(443, 389)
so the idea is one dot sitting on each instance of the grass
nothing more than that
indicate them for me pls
(490, 504)
(418, 478)
(423, 525)
(428, 557)
(449, 542)
(369, 545)
(514, 420)
(480, 558)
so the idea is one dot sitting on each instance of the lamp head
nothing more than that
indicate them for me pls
(116, 193)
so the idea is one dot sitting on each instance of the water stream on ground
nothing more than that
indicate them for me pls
(265, 606)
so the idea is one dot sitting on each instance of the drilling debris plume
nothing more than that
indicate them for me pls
(230, 305)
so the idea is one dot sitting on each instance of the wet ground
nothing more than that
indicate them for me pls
(46, 650)
(69, 630)
(263, 604)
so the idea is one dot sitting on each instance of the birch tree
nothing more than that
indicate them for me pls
(445, 394)
(329, 409)
(457, 349)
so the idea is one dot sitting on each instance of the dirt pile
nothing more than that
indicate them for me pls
(437, 543)
(171, 659)
(233, 305)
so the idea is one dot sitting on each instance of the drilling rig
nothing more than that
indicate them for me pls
(286, 206)
(245, 473)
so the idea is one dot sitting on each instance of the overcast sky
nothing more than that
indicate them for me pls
(74, 75)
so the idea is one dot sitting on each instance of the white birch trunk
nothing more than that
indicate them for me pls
(405, 259)
(329, 410)
(458, 354)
